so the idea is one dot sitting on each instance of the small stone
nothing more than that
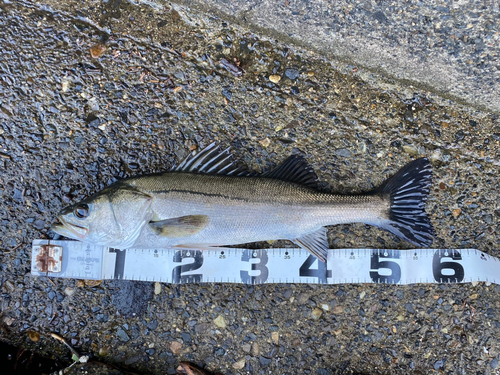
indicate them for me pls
(157, 288)
(122, 335)
(239, 365)
(494, 363)
(275, 78)
(220, 322)
(362, 294)
(255, 349)
(175, 347)
(338, 309)
(201, 328)
(93, 283)
(317, 312)
(343, 152)
(410, 149)
(264, 361)
(325, 306)
(456, 212)
(80, 283)
(97, 50)
(34, 336)
(438, 364)
(9, 286)
(265, 142)
(104, 351)
(473, 296)
(292, 73)
(69, 291)
(409, 308)
(276, 337)
(246, 348)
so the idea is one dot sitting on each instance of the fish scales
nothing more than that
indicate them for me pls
(248, 209)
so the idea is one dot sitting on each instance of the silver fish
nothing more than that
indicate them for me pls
(208, 201)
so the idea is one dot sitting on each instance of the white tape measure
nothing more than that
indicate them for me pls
(73, 259)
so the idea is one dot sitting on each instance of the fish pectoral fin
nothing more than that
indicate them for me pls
(183, 226)
(315, 242)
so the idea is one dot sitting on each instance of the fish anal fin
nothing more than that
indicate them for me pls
(294, 169)
(183, 226)
(315, 242)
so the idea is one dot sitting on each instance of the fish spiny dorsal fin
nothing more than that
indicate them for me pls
(211, 160)
(294, 169)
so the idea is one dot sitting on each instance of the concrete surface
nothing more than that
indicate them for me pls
(451, 48)
(95, 91)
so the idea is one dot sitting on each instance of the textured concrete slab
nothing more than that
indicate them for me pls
(448, 48)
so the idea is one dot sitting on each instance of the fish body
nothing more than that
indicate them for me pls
(203, 204)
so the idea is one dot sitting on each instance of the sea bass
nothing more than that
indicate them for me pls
(209, 201)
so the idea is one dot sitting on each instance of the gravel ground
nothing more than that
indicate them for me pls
(94, 92)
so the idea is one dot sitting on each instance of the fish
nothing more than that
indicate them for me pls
(209, 200)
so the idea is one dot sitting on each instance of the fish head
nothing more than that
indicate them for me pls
(114, 217)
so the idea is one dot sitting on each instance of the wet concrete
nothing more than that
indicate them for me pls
(101, 91)
(449, 48)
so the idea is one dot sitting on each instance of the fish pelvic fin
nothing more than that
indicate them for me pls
(315, 242)
(408, 190)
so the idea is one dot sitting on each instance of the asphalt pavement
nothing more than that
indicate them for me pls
(97, 91)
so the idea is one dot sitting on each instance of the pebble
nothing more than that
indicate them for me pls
(275, 78)
(255, 349)
(175, 347)
(410, 149)
(69, 291)
(122, 335)
(34, 336)
(438, 364)
(343, 152)
(338, 309)
(157, 288)
(264, 361)
(93, 283)
(265, 142)
(104, 351)
(317, 312)
(456, 212)
(97, 50)
(239, 364)
(246, 348)
(494, 363)
(292, 73)
(275, 337)
(409, 308)
(220, 322)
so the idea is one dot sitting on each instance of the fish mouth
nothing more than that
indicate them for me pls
(69, 230)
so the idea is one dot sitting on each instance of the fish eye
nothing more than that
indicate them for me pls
(82, 211)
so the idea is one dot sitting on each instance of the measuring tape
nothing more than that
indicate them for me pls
(73, 259)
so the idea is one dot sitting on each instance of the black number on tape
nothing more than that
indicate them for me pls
(321, 272)
(444, 269)
(177, 272)
(377, 264)
(259, 272)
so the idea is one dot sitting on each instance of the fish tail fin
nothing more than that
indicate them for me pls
(408, 190)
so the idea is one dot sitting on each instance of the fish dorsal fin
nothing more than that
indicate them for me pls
(211, 160)
(294, 169)
(183, 226)
(315, 242)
